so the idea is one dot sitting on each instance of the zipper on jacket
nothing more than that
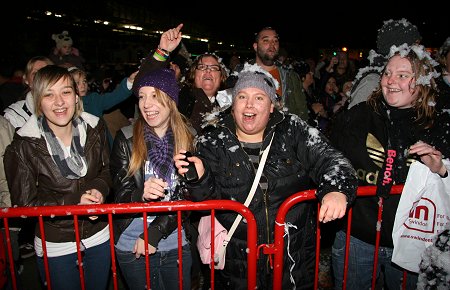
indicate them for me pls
(266, 205)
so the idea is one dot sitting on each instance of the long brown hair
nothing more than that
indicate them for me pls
(183, 137)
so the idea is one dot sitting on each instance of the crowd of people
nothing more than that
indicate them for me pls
(329, 125)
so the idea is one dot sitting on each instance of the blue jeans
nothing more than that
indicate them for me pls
(163, 269)
(64, 272)
(360, 266)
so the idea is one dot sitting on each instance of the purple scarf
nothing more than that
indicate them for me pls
(160, 153)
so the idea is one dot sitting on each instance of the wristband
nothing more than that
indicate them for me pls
(160, 56)
(445, 174)
(166, 52)
(162, 53)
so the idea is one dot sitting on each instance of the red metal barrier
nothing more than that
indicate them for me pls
(144, 208)
(277, 247)
(3, 264)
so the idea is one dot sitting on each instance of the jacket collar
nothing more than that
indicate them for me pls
(31, 128)
(29, 102)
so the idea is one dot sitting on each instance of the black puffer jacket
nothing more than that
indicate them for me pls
(298, 153)
(35, 180)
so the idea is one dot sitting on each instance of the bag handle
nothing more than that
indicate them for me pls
(249, 197)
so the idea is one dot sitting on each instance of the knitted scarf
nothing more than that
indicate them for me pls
(160, 153)
(73, 166)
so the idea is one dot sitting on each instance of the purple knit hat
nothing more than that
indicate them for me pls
(162, 79)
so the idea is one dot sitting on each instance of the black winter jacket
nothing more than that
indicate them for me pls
(298, 153)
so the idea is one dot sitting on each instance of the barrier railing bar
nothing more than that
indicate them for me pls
(147, 261)
(113, 252)
(308, 195)
(9, 248)
(44, 250)
(318, 237)
(143, 208)
(213, 234)
(180, 250)
(347, 246)
(279, 232)
(79, 257)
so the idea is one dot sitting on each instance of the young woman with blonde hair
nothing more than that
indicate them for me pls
(142, 168)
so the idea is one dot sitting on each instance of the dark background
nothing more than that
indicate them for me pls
(307, 31)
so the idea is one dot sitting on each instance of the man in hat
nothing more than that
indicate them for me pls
(227, 157)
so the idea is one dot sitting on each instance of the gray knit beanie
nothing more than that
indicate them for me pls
(256, 79)
(396, 32)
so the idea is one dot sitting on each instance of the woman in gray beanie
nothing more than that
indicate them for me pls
(228, 155)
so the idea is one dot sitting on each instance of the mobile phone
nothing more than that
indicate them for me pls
(191, 175)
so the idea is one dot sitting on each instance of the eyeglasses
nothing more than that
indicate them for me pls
(203, 67)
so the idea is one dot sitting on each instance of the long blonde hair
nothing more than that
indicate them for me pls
(183, 137)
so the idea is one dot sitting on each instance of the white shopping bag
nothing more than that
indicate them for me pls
(422, 213)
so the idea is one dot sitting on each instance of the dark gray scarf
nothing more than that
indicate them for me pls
(75, 165)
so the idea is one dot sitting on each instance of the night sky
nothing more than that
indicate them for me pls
(314, 25)
(320, 23)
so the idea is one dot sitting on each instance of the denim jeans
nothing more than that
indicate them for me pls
(360, 266)
(64, 272)
(163, 269)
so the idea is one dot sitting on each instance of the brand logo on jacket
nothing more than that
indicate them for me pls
(388, 172)
(377, 154)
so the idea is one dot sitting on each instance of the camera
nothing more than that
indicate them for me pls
(191, 175)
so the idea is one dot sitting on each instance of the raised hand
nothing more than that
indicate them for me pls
(171, 38)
